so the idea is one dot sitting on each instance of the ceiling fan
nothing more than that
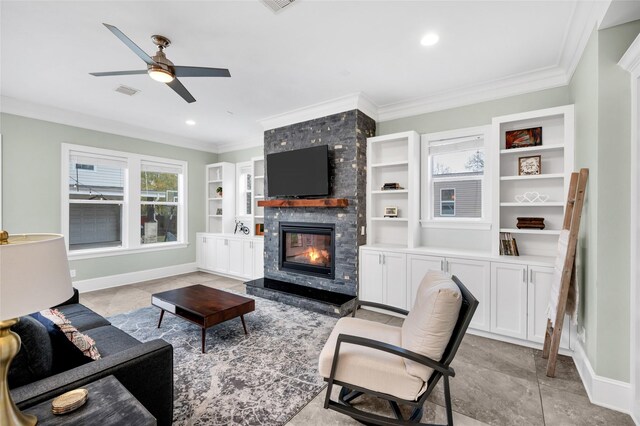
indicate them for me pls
(160, 68)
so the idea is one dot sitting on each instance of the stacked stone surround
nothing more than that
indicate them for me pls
(346, 135)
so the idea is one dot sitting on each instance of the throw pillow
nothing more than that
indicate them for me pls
(83, 342)
(34, 361)
(65, 354)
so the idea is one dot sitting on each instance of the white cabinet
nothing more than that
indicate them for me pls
(417, 267)
(258, 258)
(239, 257)
(371, 278)
(476, 276)
(539, 289)
(383, 278)
(236, 258)
(509, 299)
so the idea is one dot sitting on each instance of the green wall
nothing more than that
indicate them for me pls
(241, 155)
(584, 91)
(31, 187)
(477, 114)
(614, 189)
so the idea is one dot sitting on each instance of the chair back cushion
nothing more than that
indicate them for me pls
(429, 325)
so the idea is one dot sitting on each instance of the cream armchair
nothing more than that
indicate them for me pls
(399, 364)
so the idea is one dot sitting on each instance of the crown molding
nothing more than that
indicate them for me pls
(586, 17)
(322, 109)
(85, 121)
(630, 61)
(496, 89)
(229, 147)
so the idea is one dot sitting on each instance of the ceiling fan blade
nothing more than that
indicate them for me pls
(131, 45)
(104, 74)
(201, 72)
(181, 90)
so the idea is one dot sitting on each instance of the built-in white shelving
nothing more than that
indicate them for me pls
(393, 159)
(531, 149)
(535, 177)
(556, 154)
(539, 204)
(258, 193)
(531, 231)
(220, 175)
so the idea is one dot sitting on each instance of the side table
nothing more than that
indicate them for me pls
(109, 404)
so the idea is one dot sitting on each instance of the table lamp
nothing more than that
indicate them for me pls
(34, 275)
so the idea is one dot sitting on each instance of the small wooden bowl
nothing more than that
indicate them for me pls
(70, 401)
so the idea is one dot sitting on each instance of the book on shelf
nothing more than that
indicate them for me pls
(508, 245)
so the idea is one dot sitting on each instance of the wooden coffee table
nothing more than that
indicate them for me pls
(203, 306)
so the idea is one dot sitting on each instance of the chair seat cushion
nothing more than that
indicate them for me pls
(366, 367)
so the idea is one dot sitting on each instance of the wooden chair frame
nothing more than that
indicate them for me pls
(441, 369)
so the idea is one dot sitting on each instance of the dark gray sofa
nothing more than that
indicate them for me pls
(145, 369)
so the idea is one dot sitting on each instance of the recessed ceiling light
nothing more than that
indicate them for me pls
(190, 122)
(429, 39)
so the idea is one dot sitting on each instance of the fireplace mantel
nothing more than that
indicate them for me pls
(320, 202)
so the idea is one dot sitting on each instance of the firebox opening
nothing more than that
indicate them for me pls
(307, 248)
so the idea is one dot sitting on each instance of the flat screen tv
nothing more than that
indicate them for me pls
(298, 173)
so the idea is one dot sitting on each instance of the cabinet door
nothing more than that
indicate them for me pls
(200, 248)
(371, 280)
(209, 252)
(394, 267)
(509, 299)
(221, 258)
(247, 259)
(235, 256)
(540, 279)
(258, 259)
(417, 267)
(476, 276)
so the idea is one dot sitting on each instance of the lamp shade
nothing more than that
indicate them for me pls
(34, 274)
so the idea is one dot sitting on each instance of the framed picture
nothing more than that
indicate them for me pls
(259, 228)
(523, 138)
(390, 212)
(219, 212)
(530, 165)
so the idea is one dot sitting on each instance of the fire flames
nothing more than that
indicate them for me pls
(317, 256)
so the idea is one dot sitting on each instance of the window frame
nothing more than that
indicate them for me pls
(427, 218)
(131, 203)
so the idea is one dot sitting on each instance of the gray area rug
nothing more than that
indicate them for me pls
(264, 378)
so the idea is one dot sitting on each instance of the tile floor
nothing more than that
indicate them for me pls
(496, 383)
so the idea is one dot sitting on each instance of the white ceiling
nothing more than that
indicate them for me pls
(310, 52)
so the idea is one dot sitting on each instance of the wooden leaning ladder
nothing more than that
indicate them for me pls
(572, 215)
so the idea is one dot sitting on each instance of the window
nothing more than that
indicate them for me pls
(454, 188)
(448, 202)
(159, 197)
(107, 210)
(96, 189)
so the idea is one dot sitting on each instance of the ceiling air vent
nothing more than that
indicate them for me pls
(126, 90)
(277, 5)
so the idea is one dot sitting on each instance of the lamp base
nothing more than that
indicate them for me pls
(10, 415)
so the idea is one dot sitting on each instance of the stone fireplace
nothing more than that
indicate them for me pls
(330, 273)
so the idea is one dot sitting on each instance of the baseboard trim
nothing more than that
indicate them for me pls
(602, 391)
(110, 281)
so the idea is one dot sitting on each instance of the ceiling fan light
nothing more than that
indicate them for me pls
(161, 75)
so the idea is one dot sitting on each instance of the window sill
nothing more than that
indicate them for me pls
(119, 251)
(455, 224)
